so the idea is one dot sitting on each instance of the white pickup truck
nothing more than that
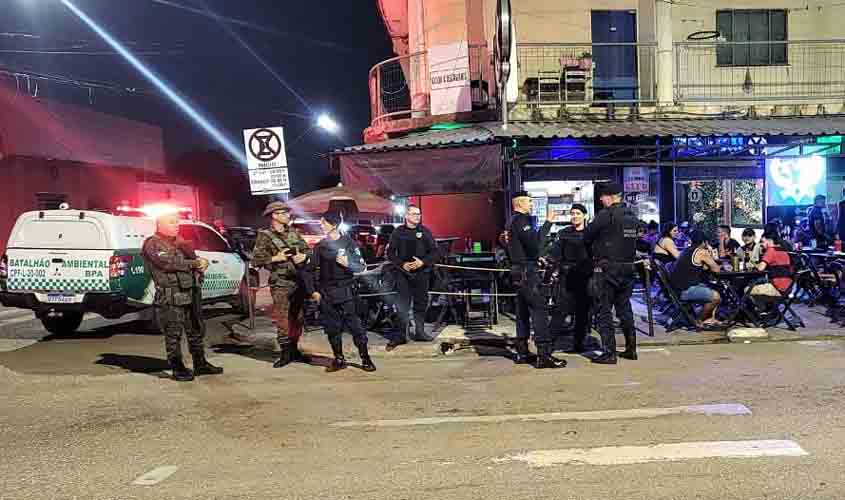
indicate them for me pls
(62, 264)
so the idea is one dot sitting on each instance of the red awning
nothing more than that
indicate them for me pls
(469, 169)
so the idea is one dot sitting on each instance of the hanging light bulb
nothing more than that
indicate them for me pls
(748, 85)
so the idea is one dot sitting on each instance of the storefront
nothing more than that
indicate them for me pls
(705, 171)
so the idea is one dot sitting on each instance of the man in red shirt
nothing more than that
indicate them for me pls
(776, 262)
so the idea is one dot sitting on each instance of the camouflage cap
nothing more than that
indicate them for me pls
(275, 207)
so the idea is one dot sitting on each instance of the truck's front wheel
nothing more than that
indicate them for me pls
(64, 324)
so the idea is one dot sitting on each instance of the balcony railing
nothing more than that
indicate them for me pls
(401, 87)
(626, 74)
(598, 73)
(759, 71)
(398, 87)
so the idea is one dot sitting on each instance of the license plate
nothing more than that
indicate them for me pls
(60, 298)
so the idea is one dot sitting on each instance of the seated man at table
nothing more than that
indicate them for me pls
(776, 264)
(687, 277)
(727, 245)
(750, 251)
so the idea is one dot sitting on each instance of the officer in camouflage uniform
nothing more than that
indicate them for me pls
(283, 252)
(176, 271)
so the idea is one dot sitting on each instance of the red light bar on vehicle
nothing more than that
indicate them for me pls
(155, 210)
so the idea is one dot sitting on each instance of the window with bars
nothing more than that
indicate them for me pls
(765, 27)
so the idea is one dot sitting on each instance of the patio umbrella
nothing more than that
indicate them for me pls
(341, 198)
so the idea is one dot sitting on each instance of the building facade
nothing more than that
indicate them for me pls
(53, 153)
(702, 108)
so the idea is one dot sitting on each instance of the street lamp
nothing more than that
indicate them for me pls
(326, 122)
(323, 120)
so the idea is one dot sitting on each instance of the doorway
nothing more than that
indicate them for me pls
(615, 78)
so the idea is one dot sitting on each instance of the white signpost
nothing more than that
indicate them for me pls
(266, 160)
(450, 78)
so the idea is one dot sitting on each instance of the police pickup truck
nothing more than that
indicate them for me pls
(62, 264)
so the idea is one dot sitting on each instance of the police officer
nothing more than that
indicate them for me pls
(175, 269)
(575, 270)
(282, 251)
(330, 280)
(524, 246)
(413, 252)
(612, 239)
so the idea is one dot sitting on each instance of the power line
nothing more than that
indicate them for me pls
(85, 53)
(258, 58)
(257, 27)
(19, 75)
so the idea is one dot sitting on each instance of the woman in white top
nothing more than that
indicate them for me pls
(665, 249)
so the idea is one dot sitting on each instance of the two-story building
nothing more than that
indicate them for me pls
(706, 110)
(53, 153)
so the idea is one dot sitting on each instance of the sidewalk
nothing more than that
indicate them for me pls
(456, 338)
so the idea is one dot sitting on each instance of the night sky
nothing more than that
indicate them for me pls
(323, 49)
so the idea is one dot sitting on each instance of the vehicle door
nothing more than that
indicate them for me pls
(226, 267)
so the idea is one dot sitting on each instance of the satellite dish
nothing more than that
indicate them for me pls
(504, 36)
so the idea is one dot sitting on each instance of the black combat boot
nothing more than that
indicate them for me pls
(366, 362)
(630, 351)
(419, 329)
(577, 344)
(403, 337)
(523, 355)
(607, 358)
(339, 362)
(202, 366)
(285, 356)
(545, 359)
(179, 371)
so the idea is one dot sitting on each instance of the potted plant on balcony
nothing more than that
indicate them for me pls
(585, 62)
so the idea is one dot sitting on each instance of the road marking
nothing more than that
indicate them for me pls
(635, 413)
(13, 321)
(624, 384)
(14, 313)
(624, 455)
(156, 475)
(8, 345)
(654, 349)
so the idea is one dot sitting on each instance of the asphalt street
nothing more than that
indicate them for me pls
(94, 416)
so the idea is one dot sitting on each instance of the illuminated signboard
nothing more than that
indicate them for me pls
(795, 181)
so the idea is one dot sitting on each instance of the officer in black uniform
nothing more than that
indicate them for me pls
(612, 238)
(330, 280)
(524, 246)
(413, 253)
(575, 271)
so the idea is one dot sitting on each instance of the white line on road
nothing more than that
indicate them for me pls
(636, 413)
(15, 313)
(624, 384)
(622, 455)
(8, 345)
(156, 475)
(14, 321)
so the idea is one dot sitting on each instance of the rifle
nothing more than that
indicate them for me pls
(196, 290)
